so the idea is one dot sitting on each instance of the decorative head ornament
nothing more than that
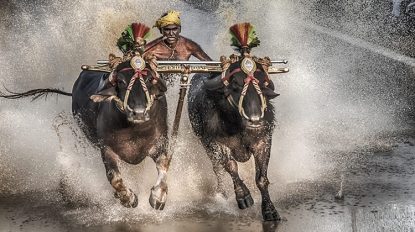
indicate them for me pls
(243, 36)
(171, 17)
(134, 35)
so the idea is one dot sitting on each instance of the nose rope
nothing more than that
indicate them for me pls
(261, 96)
(249, 79)
(150, 98)
(138, 74)
(241, 99)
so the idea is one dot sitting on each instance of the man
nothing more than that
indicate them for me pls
(171, 45)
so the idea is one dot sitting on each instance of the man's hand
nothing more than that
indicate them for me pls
(114, 61)
(151, 59)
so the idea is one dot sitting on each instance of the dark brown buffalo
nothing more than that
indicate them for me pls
(232, 131)
(126, 131)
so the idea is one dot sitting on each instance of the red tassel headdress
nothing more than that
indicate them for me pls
(243, 36)
(139, 31)
(134, 33)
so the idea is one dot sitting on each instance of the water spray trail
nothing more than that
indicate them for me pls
(359, 43)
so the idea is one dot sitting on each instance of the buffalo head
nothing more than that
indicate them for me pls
(247, 92)
(134, 91)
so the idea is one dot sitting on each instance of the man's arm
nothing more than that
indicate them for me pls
(197, 51)
(152, 44)
(201, 55)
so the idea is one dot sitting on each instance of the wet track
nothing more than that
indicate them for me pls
(379, 196)
(345, 122)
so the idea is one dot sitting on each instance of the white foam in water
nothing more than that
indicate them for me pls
(50, 42)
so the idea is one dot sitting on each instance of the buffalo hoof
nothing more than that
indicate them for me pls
(158, 198)
(156, 204)
(135, 202)
(127, 201)
(245, 202)
(270, 214)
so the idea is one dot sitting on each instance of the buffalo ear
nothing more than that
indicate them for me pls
(104, 95)
(161, 84)
(158, 89)
(108, 92)
(269, 93)
(271, 85)
(214, 83)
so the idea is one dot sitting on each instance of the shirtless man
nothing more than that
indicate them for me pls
(171, 45)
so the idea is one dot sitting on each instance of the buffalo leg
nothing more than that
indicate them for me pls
(126, 195)
(219, 172)
(158, 194)
(243, 196)
(269, 213)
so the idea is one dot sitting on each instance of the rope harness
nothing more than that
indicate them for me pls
(138, 74)
(247, 81)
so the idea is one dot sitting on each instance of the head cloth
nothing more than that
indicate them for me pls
(172, 17)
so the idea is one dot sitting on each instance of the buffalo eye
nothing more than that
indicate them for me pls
(236, 86)
(121, 83)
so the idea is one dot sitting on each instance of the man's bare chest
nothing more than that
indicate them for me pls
(162, 52)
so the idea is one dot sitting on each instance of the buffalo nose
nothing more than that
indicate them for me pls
(139, 111)
(140, 114)
(254, 118)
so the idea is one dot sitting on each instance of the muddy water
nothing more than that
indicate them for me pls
(345, 117)
(378, 196)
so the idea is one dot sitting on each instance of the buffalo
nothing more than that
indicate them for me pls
(124, 114)
(234, 119)
(128, 122)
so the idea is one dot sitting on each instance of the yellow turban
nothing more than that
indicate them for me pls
(172, 17)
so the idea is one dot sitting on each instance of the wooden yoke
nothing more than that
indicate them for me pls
(186, 68)
(173, 66)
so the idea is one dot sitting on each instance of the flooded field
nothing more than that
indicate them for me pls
(378, 196)
(345, 123)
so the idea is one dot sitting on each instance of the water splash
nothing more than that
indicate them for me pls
(335, 100)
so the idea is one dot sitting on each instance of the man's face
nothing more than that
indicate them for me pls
(171, 32)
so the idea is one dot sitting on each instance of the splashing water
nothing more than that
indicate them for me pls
(333, 101)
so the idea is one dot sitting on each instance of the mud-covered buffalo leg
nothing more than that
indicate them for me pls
(158, 194)
(126, 195)
(269, 213)
(220, 172)
(217, 159)
(242, 194)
